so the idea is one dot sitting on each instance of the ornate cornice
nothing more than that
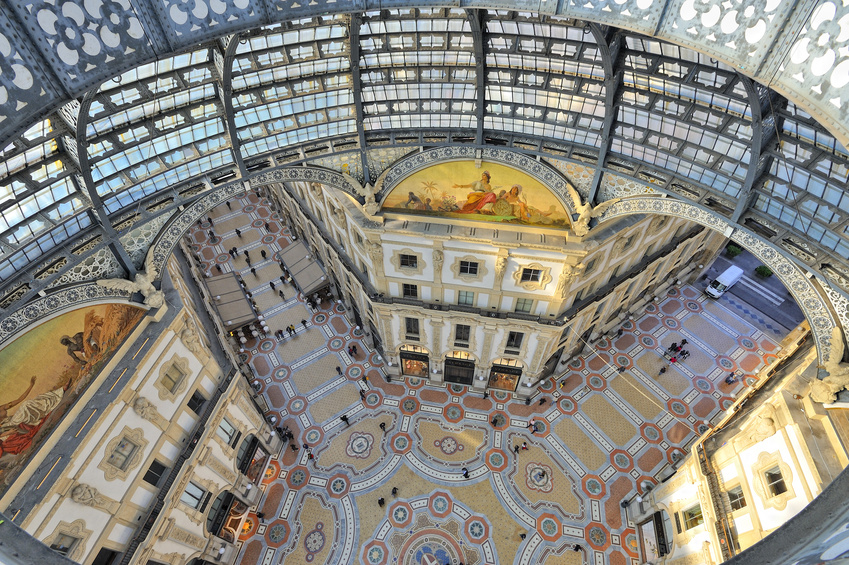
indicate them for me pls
(812, 303)
(57, 302)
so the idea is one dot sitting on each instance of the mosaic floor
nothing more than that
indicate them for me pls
(600, 435)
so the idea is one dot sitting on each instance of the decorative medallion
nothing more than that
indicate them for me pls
(359, 445)
(314, 542)
(538, 477)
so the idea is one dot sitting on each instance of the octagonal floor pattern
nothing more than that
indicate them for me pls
(542, 478)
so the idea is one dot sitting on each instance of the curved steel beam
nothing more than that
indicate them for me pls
(357, 86)
(226, 87)
(612, 82)
(475, 18)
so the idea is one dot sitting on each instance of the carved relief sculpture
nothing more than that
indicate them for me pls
(586, 211)
(142, 282)
(837, 379)
(500, 269)
(567, 275)
(88, 496)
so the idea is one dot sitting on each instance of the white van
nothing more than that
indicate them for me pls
(724, 281)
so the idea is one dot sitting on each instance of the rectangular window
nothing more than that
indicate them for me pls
(123, 452)
(692, 517)
(172, 378)
(196, 402)
(63, 543)
(466, 298)
(524, 305)
(775, 481)
(364, 270)
(227, 432)
(358, 238)
(736, 498)
(193, 496)
(514, 340)
(410, 291)
(411, 326)
(462, 333)
(155, 473)
(531, 275)
(468, 268)
(409, 261)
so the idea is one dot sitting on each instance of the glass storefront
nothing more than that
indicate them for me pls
(505, 374)
(252, 459)
(414, 361)
(460, 371)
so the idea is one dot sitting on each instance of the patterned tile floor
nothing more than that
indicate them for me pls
(600, 435)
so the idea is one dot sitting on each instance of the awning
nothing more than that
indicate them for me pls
(305, 270)
(230, 301)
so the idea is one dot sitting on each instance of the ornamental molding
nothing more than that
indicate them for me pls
(810, 300)
(58, 302)
(812, 303)
(76, 529)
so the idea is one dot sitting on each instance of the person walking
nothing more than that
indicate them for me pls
(395, 491)
(524, 446)
(684, 342)
(218, 267)
(542, 401)
(262, 252)
(465, 473)
(383, 427)
(338, 370)
(267, 227)
(516, 449)
(304, 323)
(662, 370)
(228, 206)
(238, 232)
(253, 272)
(208, 219)
(282, 296)
(622, 369)
(362, 395)
(344, 419)
(271, 284)
(381, 502)
(354, 348)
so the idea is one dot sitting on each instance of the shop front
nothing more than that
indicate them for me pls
(654, 533)
(505, 374)
(252, 459)
(459, 368)
(414, 361)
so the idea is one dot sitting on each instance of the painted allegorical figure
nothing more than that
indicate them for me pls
(28, 417)
(481, 199)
